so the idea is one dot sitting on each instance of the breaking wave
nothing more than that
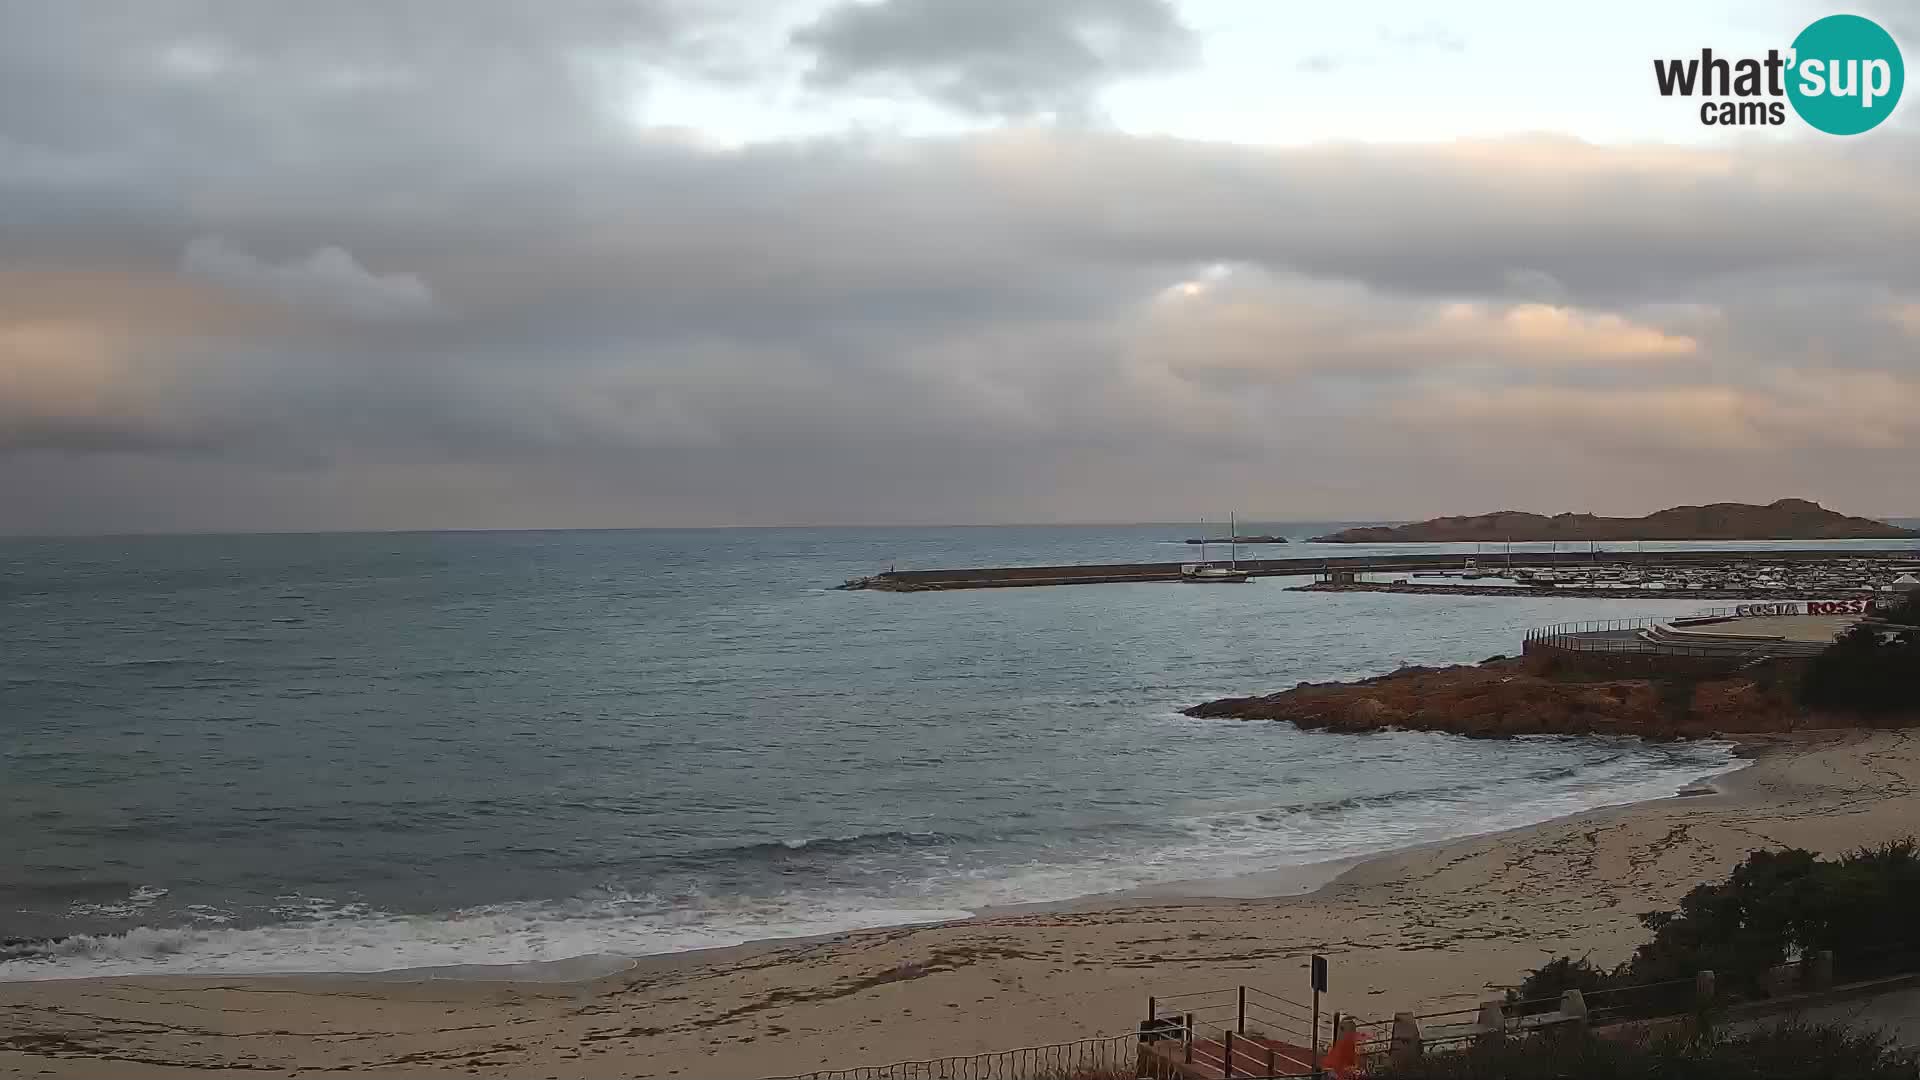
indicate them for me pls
(833, 884)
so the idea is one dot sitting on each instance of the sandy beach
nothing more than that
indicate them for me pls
(1437, 927)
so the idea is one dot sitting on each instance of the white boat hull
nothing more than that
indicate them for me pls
(1214, 575)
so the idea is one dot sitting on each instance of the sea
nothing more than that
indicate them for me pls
(467, 750)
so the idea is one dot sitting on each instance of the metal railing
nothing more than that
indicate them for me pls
(1107, 1057)
(1591, 626)
(1251, 1034)
(1237, 1007)
(1643, 637)
(1183, 1047)
(1667, 997)
(1658, 1000)
(1239, 1031)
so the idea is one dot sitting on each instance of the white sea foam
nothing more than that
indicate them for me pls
(372, 942)
(316, 935)
(135, 902)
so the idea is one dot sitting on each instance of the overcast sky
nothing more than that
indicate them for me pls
(476, 264)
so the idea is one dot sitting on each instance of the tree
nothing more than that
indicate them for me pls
(1871, 669)
(1775, 906)
(1907, 612)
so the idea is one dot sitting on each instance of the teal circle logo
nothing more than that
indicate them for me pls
(1846, 75)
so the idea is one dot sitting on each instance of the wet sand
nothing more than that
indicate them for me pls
(1443, 926)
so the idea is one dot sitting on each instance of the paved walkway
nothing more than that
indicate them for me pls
(1895, 1014)
(1791, 627)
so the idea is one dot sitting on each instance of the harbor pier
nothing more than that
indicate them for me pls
(1343, 572)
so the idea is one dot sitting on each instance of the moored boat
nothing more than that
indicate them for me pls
(1204, 572)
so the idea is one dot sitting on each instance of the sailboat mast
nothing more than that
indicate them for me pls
(1233, 540)
(1203, 541)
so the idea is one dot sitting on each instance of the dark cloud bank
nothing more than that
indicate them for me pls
(421, 265)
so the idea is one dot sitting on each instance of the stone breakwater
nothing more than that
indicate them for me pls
(1883, 564)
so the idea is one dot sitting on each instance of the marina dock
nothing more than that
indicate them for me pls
(1336, 572)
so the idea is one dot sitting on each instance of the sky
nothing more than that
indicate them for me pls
(399, 264)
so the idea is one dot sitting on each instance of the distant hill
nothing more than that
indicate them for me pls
(1788, 519)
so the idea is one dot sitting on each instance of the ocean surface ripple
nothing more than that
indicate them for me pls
(362, 752)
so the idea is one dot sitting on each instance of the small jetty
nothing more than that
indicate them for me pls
(1767, 572)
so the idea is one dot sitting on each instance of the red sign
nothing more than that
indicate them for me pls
(1838, 607)
(1812, 607)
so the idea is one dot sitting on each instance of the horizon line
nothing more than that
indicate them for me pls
(135, 534)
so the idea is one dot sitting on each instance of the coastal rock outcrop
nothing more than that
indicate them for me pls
(1502, 698)
(1787, 519)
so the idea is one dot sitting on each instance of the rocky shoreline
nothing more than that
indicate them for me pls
(1503, 697)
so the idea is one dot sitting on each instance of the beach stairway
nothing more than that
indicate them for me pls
(1252, 1056)
(1240, 1032)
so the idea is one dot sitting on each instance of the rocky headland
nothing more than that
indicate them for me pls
(1787, 519)
(1503, 697)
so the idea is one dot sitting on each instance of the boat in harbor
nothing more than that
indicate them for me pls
(1203, 572)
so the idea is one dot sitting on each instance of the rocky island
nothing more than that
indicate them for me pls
(1787, 519)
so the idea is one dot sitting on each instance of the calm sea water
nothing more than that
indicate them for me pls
(373, 751)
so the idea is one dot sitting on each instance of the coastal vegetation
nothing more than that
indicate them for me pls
(1799, 1051)
(1777, 907)
(1873, 669)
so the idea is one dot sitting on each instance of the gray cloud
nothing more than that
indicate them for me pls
(327, 279)
(634, 327)
(1008, 58)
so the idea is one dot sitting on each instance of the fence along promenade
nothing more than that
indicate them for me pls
(1689, 636)
(1105, 1057)
(1244, 1031)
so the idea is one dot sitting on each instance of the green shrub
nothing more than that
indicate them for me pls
(1775, 907)
(1907, 612)
(1544, 984)
(1789, 1052)
(1870, 669)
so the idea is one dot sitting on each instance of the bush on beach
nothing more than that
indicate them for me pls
(1776, 907)
(1871, 669)
(1803, 1052)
